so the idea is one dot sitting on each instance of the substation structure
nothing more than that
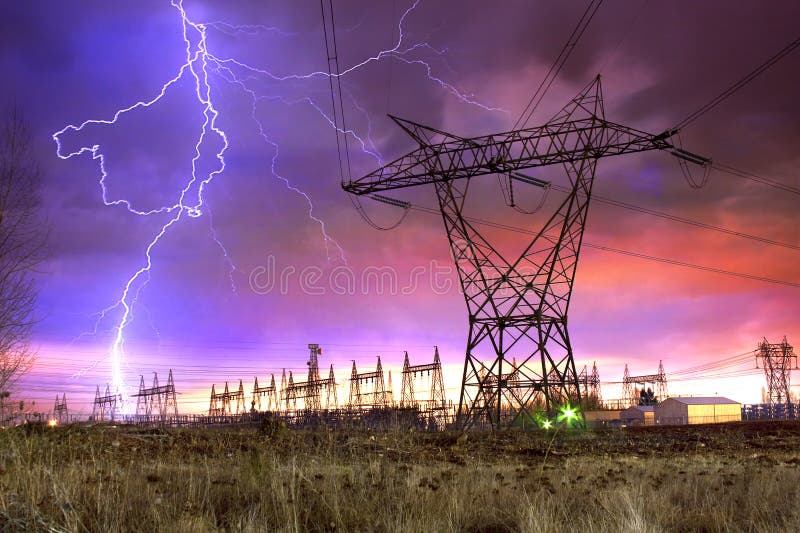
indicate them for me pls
(517, 306)
(156, 402)
(653, 387)
(314, 401)
(778, 361)
(591, 394)
(422, 403)
(60, 410)
(106, 407)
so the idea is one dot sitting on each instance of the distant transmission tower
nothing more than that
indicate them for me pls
(270, 393)
(157, 400)
(60, 410)
(517, 306)
(368, 389)
(590, 383)
(220, 404)
(631, 394)
(779, 360)
(310, 391)
(433, 371)
(105, 407)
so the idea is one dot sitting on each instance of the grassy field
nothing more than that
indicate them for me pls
(733, 477)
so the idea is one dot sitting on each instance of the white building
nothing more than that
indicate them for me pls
(700, 410)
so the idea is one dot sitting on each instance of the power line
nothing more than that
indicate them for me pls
(755, 177)
(738, 85)
(682, 220)
(559, 62)
(628, 253)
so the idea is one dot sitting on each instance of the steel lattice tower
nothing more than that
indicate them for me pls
(60, 409)
(779, 360)
(517, 306)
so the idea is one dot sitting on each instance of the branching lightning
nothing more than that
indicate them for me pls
(199, 66)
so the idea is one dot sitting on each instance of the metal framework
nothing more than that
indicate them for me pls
(220, 404)
(433, 371)
(517, 306)
(60, 409)
(630, 385)
(590, 384)
(105, 406)
(368, 389)
(310, 391)
(779, 360)
(157, 400)
(436, 404)
(270, 393)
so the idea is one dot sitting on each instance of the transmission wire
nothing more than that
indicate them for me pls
(738, 85)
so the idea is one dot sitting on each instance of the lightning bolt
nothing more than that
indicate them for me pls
(199, 66)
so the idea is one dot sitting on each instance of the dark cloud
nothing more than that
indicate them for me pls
(68, 62)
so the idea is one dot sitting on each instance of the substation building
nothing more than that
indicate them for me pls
(638, 415)
(698, 410)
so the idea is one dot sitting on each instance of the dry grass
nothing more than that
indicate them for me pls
(118, 479)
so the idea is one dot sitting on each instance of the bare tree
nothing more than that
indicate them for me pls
(22, 241)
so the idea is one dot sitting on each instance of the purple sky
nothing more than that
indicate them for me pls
(467, 67)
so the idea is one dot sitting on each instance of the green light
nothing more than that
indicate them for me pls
(569, 413)
(547, 424)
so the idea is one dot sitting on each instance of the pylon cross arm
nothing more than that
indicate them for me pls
(550, 144)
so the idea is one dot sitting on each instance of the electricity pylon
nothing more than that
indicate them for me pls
(779, 360)
(518, 306)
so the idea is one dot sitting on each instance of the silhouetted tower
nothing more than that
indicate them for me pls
(105, 407)
(60, 410)
(313, 393)
(332, 391)
(779, 361)
(630, 385)
(220, 404)
(268, 393)
(661, 383)
(310, 390)
(241, 406)
(516, 306)
(407, 386)
(355, 388)
(289, 392)
(433, 371)
(157, 400)
(594, 385)
(368, 389)
(214, 408)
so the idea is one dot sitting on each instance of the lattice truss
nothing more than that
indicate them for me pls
(107, 406)
(310, 392)
(222, 403)
(265, 398)
(60, 409)
(590, 385)
(157, 400)
(631, 394)
(519, 358)
(778, 360)
(368, 389)
(430, 374)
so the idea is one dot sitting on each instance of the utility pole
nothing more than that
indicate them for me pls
(517, 306)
